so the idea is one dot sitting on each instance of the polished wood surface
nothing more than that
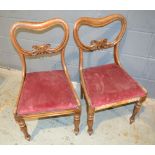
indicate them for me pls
(41, 50)
(100, 45)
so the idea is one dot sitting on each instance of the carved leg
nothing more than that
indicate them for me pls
(136, 110)
(82, 93)
(90, 121)
(77, 122)
(23, 127)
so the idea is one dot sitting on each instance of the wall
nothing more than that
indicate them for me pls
(137, 49)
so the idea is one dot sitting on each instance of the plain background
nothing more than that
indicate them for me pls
(137, 48)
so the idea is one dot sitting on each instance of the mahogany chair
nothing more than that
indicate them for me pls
(46, 93)
(108, 85)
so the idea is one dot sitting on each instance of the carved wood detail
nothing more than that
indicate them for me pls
(41, 49)
(99, 44)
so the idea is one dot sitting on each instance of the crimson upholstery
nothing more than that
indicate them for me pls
(109, 84)
(45, 92)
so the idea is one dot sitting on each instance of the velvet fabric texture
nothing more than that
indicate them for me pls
(109, 84)
(46, 92)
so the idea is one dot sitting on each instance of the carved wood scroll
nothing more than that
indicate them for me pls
(98, 44)
(41, 49)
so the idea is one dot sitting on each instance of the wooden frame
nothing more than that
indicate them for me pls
(40, 50)
(98, 45)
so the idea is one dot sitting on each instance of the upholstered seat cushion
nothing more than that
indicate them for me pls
(109, 84)
(45, 92)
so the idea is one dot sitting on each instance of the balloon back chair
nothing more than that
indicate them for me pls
(45, 93)
(109, 85)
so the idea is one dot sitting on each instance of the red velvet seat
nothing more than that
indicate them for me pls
(109, 84)
(46, 92)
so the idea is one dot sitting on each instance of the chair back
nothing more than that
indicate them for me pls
(39, 49)
(103, 43)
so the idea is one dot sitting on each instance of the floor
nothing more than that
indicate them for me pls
(111, 126)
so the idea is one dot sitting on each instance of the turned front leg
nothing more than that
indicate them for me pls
(23, 127)
(76, 122)
(136, 109)
(90, 121)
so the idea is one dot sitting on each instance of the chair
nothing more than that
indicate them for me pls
(109, 85)
(45, 93)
